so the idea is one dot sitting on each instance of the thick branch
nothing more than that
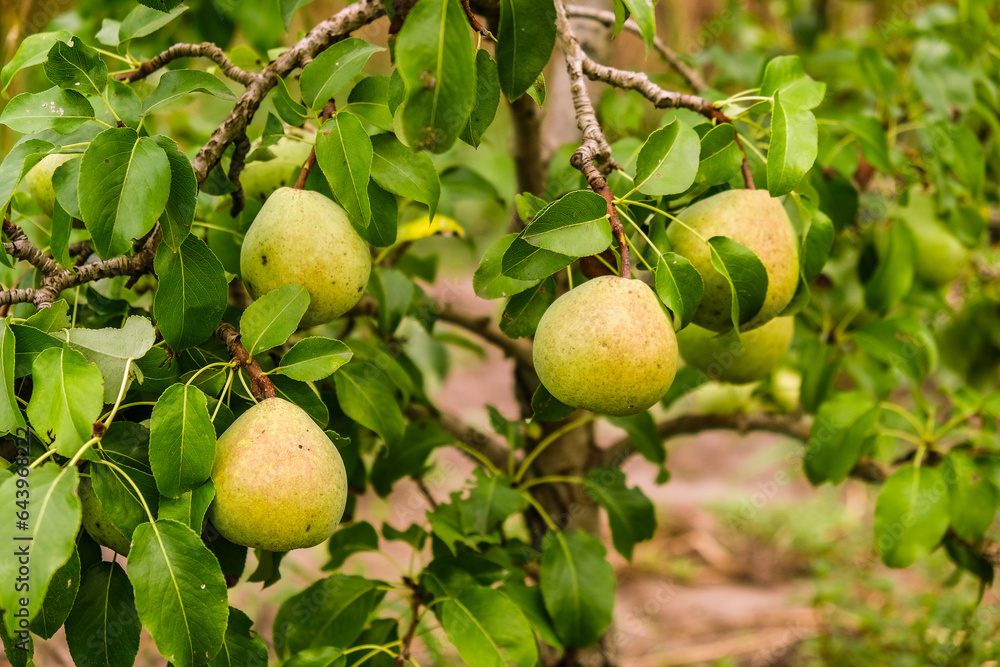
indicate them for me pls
(319, 38)
(21, 247)
(260, 384)
(206, 49)
(607, 19)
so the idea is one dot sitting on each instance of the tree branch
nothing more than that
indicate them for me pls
(473, 21)
(205, 49)
(260, 384)
(470, 437)
(21, 247)
(607, 19)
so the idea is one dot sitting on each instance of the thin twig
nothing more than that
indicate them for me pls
(329, 109)
(473, 21)
(206, 49)
(260, 384)
(404, 652)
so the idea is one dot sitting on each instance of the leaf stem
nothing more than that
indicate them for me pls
(541, 510)
(83, 450)
(121, 393)
(553, 479)
(229, 383)
(40, 459)
(552, 437)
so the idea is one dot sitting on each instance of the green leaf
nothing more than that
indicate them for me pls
(874, 143)
(385, 214)
(344, 153)
(65, 182)
(75, 66)
(972, 497)
(314, 358)
(644, 15)
(380, 632)
(817, 243)
(271, 319)
(33, 50)
(911, 515)
(189, 507)
(11, 417)
(160, 5)
(901, 343)
(785, 75)
(124, 102)
(745, 274)
(679, 285)
(288, 109)
(241, 647)
(30, 343)
(838, 435)
(103, 628)
(408, 457)
(893, 276)
(488, 282)
(793, 147)
(436, 60)
(631, 514)
(529, 601)
(181, 440)
(50, 319)
(367, 398)
(66, 398)
(54, 109)
(484, 110)
(179, 212)
(941, 77)
(331, 71)
(574, 225)
(113, 350)
(405, 173)
(288, 9)
(142, 21)
(394, 292)
(176, 83)
(331, 612)
(521, 316)
(180, 593)
(350, 540)
(527, 262)
(58, 599)
(124, 186)
(488, 629)
(490, 502)
(126, 444)
(52, 519)
(22, 157)
(578, 587)
(191, 295)
(547, 408)
(641, 430)
(526, 36)
(369, 100)
(304, 396)
(668, 162)
(720, 158)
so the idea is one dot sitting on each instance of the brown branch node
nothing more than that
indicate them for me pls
(260, 384)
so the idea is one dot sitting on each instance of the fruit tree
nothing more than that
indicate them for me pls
(231, 287)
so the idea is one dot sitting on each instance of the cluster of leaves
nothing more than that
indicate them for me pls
(140, 408)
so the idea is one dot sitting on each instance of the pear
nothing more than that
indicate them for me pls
(606, 346)
(280, 483)
(756, 220)
(302, 238)
(261, 178)
(96, 522)
(941, 257)
(39, 180)
(726, 358)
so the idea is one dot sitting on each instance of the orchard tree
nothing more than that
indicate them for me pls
(216, 340)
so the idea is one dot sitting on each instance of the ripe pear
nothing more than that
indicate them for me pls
(302, 238)
(261, 178)
(726, 358)
(606, 346)
(39, 180)
(280, 483)
(756, 220)
(96, 522)
(941, 257)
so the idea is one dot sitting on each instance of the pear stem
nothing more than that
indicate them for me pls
(260, 384)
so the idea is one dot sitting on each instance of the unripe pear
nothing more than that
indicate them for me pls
(39, 180)
(941, 257)
(261, 178)
(756, 220)
(96, 522)
(606, 346)
(280, 483)
(726, 358)
(303, 238)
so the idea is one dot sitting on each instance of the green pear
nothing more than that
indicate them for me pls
(754, 219)
(39, 180)
(941, 257)
(303, 238)
(261, 178)
(606, 346)
(737, 360)
(96, 522)
(280, 483)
